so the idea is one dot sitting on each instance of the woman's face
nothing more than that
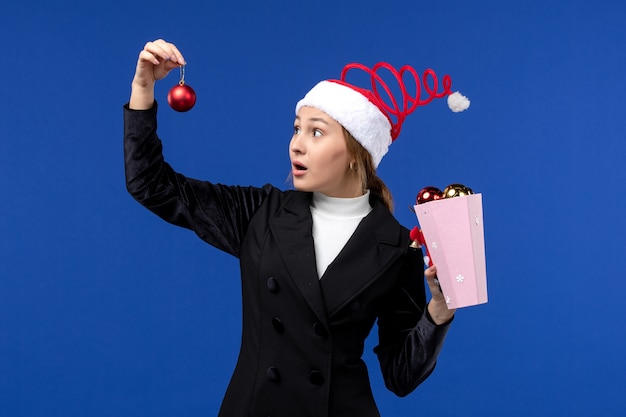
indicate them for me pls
(319, 156)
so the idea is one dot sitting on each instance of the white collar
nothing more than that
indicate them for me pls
(342, 207)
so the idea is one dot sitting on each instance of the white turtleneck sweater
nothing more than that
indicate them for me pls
(334, 221)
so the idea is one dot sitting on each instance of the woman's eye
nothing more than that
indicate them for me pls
(317, 133)
(296, 130)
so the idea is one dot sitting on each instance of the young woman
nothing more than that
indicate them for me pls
(319, 264)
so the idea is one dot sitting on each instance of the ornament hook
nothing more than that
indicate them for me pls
(182, 75)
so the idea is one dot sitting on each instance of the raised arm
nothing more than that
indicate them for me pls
(217, 213)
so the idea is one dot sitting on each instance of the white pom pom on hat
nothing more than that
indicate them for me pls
(366, 115)
(458, 102)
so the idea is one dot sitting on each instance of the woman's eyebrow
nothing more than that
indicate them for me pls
(318, 119)
(314, 119)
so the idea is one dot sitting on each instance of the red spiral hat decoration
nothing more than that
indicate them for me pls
(427, 85)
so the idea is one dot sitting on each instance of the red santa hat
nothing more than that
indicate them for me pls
(374, 123)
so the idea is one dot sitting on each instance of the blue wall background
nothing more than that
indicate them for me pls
(105, 310)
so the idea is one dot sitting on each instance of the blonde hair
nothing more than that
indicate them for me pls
(366, 171)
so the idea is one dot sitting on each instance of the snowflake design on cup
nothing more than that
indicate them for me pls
(460, 278)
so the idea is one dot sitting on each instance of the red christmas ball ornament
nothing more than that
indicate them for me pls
(428, 194)
(181, 97)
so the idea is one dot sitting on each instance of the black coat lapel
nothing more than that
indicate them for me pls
(292, 229)
(377, 242)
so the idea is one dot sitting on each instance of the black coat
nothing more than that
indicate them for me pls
(303, 337)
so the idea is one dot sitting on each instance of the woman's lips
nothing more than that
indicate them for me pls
(298, 169)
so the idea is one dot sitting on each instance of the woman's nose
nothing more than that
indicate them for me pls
(296, 146)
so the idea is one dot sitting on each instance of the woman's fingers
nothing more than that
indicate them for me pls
(156, 60)
(437, 307)
(433, 282)
(164, 51)
(431, 272)
(176, 56)
(147, 56)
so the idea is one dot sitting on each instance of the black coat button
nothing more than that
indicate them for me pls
(320, 330)
(272, 284)
(273, 374)
(316, 378)
(278, 325)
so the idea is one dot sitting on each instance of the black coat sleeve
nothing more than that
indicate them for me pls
(409, 341)
(218, 214)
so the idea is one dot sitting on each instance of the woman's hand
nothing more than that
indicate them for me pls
(155, 61)
(437, 307)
